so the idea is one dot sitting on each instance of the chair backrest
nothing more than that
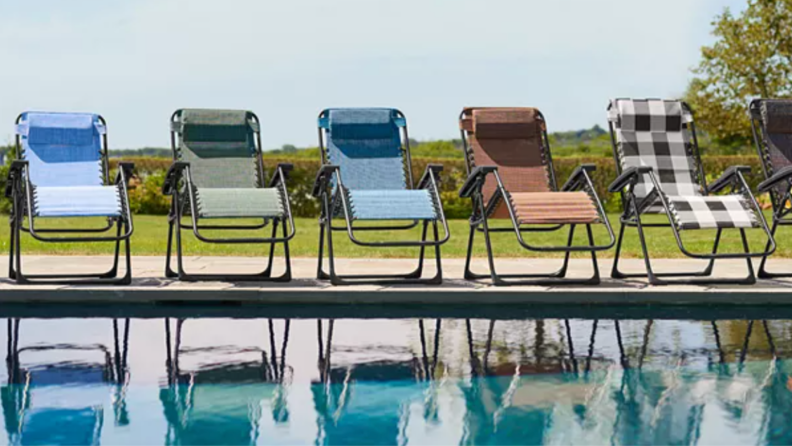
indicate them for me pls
(514, 140)
(62, 149)
(775, 118)
(366, 144)
(657, 133)
(220, 145)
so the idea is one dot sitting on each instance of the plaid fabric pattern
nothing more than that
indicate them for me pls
(653, 132)
(730, 211)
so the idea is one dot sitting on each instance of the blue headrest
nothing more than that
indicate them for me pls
(363, 123)
(60, 129)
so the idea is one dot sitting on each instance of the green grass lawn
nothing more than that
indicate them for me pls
(151, 234)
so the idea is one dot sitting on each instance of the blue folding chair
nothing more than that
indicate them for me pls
(366, 176)
(61, 171)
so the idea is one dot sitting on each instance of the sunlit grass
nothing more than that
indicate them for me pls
(151, 235)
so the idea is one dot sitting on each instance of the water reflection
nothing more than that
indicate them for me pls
(463, 381)
(62, 385)
(218, 399)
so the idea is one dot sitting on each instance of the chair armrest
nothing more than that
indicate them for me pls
(14, 175)
(580, 172)
(727, 177)
(322, 178)
(626, 177)
(781, 175)
(431, 170)
(127, 168)
(172, 176)
(472, 180)
(282, 169)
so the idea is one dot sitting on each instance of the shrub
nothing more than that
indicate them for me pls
(146, 188)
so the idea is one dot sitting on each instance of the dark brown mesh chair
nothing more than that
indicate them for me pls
(771, 122)
(511, 176)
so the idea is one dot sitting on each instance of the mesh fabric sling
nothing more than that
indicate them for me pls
(366, 177)
(660, 172)
(221, 151)
(64, 154)
(366, 146)
(652, 133)
(218, 173)
(511, 176)
(61, 172)
(511, 139)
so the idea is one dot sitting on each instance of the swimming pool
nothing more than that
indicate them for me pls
(196, 380)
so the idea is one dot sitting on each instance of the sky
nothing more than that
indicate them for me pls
(135, 62)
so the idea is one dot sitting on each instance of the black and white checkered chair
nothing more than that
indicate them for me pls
(660, 172)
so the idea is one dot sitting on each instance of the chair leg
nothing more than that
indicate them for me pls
(268, 271)
(169, 272)
(413, 277)
(287, 274)
(438, 278)
(595, 278)
(114, 270)
(102, 278)
(618, 274)
(320, 274)
(11, 243)
(555, 278)
(419, 270)
(654, 278)
(468, 274)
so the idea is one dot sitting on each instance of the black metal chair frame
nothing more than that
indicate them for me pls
(178, 178)
(19, 189)
(772, 180)
(479, 220)
(330, 200)
(633, 209)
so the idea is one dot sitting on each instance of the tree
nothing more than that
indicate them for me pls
(751, 58)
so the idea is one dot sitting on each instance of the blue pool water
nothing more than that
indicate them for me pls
(396, 381)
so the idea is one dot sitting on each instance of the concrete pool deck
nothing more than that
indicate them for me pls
(149, 285)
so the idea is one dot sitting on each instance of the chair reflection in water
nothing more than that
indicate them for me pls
(363, 392)
(219, 401)
(61, 400)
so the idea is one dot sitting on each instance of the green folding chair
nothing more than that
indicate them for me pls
(218, 173)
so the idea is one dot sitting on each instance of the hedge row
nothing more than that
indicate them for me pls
(146, 196)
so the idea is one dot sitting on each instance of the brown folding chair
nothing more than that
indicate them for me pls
(511, 176)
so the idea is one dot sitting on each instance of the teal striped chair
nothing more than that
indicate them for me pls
(218, 178)
(366, 179)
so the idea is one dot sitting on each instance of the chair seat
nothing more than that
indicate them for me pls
(554, 208)
(76, 201)
(722, 211)
(239, 202)
(392, 205)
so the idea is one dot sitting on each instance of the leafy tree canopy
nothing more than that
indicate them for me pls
(751, 58)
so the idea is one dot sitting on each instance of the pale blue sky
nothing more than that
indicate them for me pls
(135, 62)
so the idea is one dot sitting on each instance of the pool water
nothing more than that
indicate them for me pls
(396, 381)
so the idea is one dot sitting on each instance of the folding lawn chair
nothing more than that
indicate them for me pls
(61, 171)
(660, 172)
(511, 175)
(771, 123)
(367, 176)
(218, 173)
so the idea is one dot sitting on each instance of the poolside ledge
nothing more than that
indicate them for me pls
(149, 286)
